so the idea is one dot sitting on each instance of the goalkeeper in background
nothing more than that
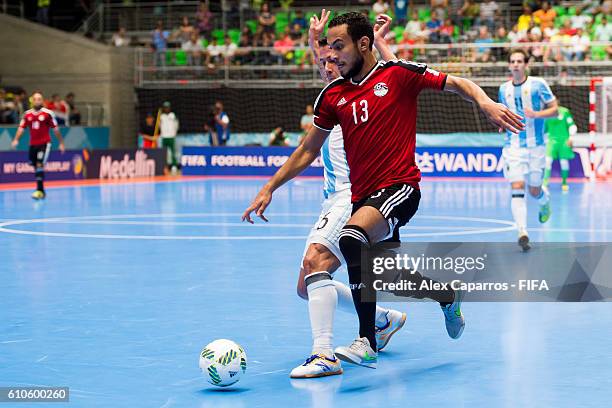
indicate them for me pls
(559, 130)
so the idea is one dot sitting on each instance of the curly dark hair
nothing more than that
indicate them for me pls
(357, 26)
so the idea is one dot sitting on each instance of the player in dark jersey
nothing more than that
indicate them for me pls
(39, 120)
(375, 104)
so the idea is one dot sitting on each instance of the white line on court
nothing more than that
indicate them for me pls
(111, 219)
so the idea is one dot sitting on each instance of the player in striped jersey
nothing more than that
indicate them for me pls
(525, 153)
(322, 252)
(39, 120)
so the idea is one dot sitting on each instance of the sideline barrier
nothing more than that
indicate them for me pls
(433, 161)
(81, 164)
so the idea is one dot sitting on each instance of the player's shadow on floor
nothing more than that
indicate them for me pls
(229, 390)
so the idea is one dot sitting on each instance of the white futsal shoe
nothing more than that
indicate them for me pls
(395, 321)
(316, 366)
(359, 353)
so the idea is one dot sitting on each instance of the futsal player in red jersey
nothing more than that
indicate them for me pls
(375, 104)
(39, 120)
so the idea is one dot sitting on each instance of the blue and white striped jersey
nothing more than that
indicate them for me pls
(336, 169)
(532, 94)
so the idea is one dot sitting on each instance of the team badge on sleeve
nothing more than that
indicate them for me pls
(381, 89)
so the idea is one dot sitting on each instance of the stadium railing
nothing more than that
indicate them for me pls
(9, 7)
(458, 58)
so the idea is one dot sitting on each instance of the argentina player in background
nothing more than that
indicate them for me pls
(322, 252)
(525, 153)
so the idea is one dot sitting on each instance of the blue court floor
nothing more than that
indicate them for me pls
(113, 290)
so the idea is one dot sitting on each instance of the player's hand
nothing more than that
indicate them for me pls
(530, 113)
(317, 26)
(62, 147)
(502, 117)
(569, 143)
(381, 27)
(259, 205)
(14, 143)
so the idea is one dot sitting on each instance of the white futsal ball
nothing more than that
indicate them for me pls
(223, 362)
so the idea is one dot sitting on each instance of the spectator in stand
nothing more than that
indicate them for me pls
(74, 116)
(183, 33)
(567, 28)
(120, 39)
(405, 50)
(483, 53)
(243, 53)
(204, 20)
(514, 36)
(295, 32)
(307, 120)
(453, 11)
(380, 7)
(603, 32)
(214, 53)
(501, 36)
(59, 108)
(299, 19)
(283, 46)
(8, 111)
(229, 50)
(423, 35)
(147, 132)
(194, 49)
(400, 9)
(42, 11)
(580, 20)
(278, 138)
(438, 8)
(414, 25)
(546, 15)
(582, 44)
(536, 52)
(159, 43)
(526, 19)
(469, 13)
(433, 25)
(447, 30)
(267, 23)
(489, 11)
(606, 8)
(553, 52)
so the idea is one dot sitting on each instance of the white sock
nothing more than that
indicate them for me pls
(543, 197)
(322, 302)
(549, 162)
(345, 303)
(519, 209)
(564, 163)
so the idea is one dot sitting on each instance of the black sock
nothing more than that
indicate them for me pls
(352, 238)
(40, 177)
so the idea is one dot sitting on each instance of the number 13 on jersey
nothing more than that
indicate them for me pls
(363, 111)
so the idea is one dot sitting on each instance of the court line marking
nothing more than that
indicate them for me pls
(507, 226)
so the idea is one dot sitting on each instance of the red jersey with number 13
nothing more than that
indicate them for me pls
(39, 122)
(378, 121)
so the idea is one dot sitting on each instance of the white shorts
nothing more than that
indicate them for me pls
(335, 213)
(524, 162)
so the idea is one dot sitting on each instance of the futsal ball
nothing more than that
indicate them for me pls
(223, 362)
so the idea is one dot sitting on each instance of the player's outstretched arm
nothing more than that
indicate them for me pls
(381, 29)
(317, 26)
(18, 135)
(497, 113)
(301, 158)
(60, 139)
